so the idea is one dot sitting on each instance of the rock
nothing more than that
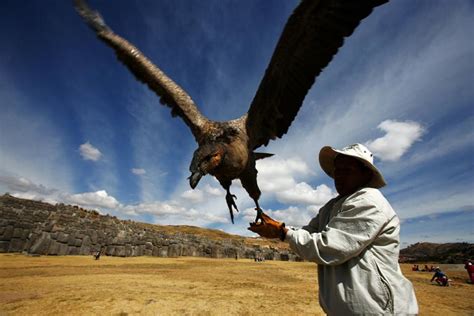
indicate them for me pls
(41, 228)
(63, 249)
(53, 248)
(17, 232)
(41, 245)
(62, 237)
(4, 245)
(16, 245)
(7, 233)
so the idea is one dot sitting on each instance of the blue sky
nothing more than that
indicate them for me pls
(76, 127)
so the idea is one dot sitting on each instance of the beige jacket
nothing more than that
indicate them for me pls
(355, 242)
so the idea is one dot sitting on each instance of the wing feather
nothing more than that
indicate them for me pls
(170, 93)
(311, 37)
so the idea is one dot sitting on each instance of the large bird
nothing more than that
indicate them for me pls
(312, 36)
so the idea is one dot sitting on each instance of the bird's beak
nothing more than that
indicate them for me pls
(194, 179)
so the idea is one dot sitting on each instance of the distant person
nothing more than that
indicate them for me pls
(470, 270)
(440, 277)
(415, 268)
(97, 255)
(354, 240)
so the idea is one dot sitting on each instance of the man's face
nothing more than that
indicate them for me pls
(350, 174)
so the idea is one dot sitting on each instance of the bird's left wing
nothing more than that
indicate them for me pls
(170, 93)
(311, 37)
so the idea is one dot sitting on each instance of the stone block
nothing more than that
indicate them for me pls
(71, 240)
(16, 245)
(17, 232)
(93, 236)
(85, 250)
(57, 228)
(175, 250)
(86, 241)
(73, 250)
(4, 246)
(7, 234)
(63, 237)
(63, 249)
(120, 251)
(110, 251)
(163, 252)
(77, 242)
(25, 225)
(25, 234)
(48, 227)
(53, 248)
(41, 244)
(128, 250)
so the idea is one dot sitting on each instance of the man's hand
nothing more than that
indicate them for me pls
(269, 228)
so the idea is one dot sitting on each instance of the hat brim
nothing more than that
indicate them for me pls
(326, 161)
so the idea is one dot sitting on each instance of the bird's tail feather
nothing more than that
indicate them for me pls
(92, 18)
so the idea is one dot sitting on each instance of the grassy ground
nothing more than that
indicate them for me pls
(77, 285)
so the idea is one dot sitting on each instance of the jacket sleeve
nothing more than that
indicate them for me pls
(313, 225)
(344, 237)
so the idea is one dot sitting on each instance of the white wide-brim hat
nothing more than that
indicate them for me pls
(358, 151)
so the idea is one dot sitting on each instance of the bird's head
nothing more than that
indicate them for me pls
(205, 159)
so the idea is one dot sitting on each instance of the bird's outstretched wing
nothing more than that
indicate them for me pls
(310, 39)
(171, 94)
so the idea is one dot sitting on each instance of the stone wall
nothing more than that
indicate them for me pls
(40, 228)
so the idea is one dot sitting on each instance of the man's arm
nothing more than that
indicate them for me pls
(345, 236)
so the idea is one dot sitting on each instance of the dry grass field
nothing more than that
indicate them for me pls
(77, 285)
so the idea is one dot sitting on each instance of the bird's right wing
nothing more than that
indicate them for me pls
(170, 93)
(311, 38)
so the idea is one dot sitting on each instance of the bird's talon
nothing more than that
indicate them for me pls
(259, 216)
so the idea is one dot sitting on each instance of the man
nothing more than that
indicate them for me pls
(440, 277)
(354, 240)
(470, 270)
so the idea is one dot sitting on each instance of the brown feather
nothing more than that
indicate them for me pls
(310, 39)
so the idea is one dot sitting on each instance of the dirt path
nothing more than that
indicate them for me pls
(76, 285)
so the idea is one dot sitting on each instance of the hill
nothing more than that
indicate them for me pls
(442, 253)
(41, 228)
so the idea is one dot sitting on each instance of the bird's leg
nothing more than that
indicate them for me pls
(259, 213)
(229, 198)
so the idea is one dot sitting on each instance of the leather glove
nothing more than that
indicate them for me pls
(269, 228)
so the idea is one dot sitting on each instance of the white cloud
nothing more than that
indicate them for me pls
(21, 184)
(213, 190)
(138, 171)
(276, 174)
(399, 137)
(303, 193)
(153, 208)
(194, 196)
(98, 199)
(26, 188)
(89, 152)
